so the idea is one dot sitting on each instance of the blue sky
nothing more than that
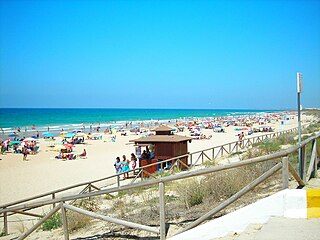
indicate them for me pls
(159, 54)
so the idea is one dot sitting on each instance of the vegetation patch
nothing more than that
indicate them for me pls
(52, 223)
(77, 221)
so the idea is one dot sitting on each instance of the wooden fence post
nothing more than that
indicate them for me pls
(53, 197)
(5, 223)
(317, 159)
(89, 190)
(285, 172)
(118, 180)
(65, 222)
(162, 211)
(304, 159)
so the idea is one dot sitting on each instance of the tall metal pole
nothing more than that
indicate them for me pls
(299, 140)
(299, 90)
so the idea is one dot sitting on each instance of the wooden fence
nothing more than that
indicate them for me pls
(194, 159)
(60, 203)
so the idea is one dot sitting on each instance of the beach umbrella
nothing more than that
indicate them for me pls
(69, 135)
(49, 135)
(14, 142)
(13, 135)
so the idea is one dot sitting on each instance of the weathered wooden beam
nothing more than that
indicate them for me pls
(5, 223)
(304, 159)
(312, 161)
(112, 220)
(64, 221)
(285, 172)
(296, 175)
(28, 214)
(162, 211)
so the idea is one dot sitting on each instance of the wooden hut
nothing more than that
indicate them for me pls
(163, 130)
(165, 145)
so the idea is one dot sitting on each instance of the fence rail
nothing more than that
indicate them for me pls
(90, 190)
(216, 151)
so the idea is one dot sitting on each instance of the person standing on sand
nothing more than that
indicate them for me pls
(24, 152)
(117, 165)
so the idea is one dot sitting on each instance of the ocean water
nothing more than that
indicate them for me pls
(73, 118)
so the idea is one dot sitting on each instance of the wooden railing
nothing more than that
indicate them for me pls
(216, 152)
(90, 186)
(281, 157)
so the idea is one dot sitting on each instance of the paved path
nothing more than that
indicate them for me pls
(279, 228)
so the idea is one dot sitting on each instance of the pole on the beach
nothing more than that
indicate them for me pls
(299, 90)
(162, 211)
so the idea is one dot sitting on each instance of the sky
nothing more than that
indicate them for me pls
(159, 54)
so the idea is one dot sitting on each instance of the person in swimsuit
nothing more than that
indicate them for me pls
(125, 167)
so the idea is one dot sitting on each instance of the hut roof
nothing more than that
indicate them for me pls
(162, 138)
(163, 128)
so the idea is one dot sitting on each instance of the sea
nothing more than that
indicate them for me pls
(70, 119)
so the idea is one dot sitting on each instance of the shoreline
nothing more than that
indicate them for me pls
(10, 117)
(27, 131)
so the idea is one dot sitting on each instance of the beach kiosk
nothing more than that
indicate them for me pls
(162, 146)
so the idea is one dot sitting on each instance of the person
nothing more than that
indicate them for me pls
(24, 152)
(144, 155)
(38, 134)
(117, 166)
(59, 156)
(83, 154)
(241, 136)
(133, 162)
(125, 167)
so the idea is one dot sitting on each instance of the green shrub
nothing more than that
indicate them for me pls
(269, 146)
(52, 223)
(191, 192)
(287, 138)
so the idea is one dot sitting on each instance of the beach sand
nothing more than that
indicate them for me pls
(42, 173)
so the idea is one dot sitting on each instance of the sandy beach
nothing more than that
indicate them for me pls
(42, 172)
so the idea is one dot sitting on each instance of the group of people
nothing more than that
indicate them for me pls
(23, 147)
(70, 156)
(124, 165)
